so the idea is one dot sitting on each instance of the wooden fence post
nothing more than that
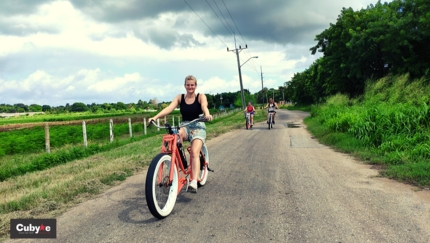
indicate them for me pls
(111, 130)
(173, 120)
(165, 120)
(84, 131)
(144, 124)
(129, 127)
(47, 140)
(158, 123)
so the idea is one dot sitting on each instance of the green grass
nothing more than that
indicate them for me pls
(297, 107)
(389, 126)
(61, 117)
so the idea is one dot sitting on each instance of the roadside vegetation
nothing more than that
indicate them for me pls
(51, 191)
(388, 126)
(297, 107)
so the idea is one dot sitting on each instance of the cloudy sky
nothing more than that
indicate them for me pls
(54, 52)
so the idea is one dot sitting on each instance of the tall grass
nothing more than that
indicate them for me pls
(392, 120)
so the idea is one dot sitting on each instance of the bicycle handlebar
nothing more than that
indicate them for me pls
(200, 119)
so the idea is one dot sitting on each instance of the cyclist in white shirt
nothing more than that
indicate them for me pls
(271, 106)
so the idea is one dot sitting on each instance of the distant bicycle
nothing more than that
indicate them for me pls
(270, 121)
(169, 172)
(248, 121)
(249, 113)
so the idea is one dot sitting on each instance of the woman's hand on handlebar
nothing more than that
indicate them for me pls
(208, 117)
(152, 119)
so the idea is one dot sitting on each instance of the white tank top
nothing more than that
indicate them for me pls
(272, 107)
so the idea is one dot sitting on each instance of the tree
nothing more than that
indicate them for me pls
(46, 108)
(140, 104)
(121, 106)
(281, 90)
(79, 107)
(35, 108)
(210, 99)
(365, 45)
(20, 107)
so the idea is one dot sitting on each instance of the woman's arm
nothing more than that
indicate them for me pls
(204, 104)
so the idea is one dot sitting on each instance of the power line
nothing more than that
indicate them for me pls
(219, 17)
(232, 20)
(223, 16)
(252, 61)
(205, 24)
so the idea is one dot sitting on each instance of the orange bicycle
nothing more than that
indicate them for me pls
(169, 172)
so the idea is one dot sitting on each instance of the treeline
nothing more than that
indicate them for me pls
(79, 107)
(385, 38)
(226, 99)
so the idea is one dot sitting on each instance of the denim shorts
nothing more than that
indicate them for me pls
(195, 130)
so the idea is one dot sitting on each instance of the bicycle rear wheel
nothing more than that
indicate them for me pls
(160, 194)
(203, 175)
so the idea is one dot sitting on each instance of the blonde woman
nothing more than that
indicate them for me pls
(191, 106)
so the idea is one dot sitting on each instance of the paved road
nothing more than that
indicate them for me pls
(269, 186)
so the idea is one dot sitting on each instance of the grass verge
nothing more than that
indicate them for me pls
(417, 173)
(388, 125)
(50, 192)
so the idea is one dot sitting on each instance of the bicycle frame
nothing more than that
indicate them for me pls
(169, 146)
(270, 120)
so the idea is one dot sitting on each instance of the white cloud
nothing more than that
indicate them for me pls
(59, 53)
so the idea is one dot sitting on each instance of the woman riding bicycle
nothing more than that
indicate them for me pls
(191, 106)
(250, 109)
(271, 109)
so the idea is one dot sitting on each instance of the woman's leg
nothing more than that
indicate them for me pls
(196, 146)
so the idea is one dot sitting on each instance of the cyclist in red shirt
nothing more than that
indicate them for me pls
(250, 109)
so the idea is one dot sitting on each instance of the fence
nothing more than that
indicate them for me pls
(174, 120)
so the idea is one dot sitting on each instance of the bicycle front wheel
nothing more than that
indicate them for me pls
(160, 193)
(270, 121)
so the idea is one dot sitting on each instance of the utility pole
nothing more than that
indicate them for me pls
(262, 89)
(237, 50)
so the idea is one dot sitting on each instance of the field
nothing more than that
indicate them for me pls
(23, 150)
